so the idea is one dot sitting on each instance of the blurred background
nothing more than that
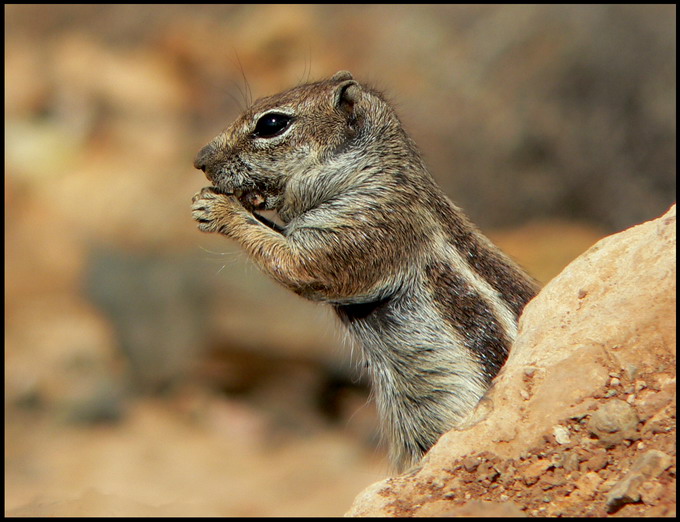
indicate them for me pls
(151, 369)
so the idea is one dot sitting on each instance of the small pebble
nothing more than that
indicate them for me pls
(561, 434)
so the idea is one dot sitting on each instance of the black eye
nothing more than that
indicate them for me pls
(271, 124)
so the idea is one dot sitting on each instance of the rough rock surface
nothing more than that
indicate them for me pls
(581, 421)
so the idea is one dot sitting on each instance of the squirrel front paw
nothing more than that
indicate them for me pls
(214, 211)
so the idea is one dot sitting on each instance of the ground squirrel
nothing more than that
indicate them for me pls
(432, 302)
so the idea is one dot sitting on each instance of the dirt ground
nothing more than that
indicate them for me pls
(169, 459)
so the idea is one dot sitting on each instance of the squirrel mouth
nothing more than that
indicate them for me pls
(250, 198)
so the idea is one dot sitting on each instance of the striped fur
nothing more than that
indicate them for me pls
(433, 304)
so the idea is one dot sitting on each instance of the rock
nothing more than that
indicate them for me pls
(598, 461)
(587, 484)
(647, 466)
(611, 312)
(473, 508)
(614, 421)
(535, 470)
(561, 435)
(570, 462)
(373, 501)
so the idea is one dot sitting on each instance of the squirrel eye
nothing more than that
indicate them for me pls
(271, 124)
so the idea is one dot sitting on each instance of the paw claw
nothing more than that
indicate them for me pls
(213, 210)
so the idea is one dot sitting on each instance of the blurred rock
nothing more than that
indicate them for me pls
(610, 312)
(158, 305)
(68, 365)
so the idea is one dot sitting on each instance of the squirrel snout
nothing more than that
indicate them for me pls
(202, 159)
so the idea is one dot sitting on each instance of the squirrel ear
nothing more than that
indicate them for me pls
(342, 75)
(346, 95)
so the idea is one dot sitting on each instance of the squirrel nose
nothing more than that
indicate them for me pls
(203, 158)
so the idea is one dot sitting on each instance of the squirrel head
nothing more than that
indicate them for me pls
(300, 132)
